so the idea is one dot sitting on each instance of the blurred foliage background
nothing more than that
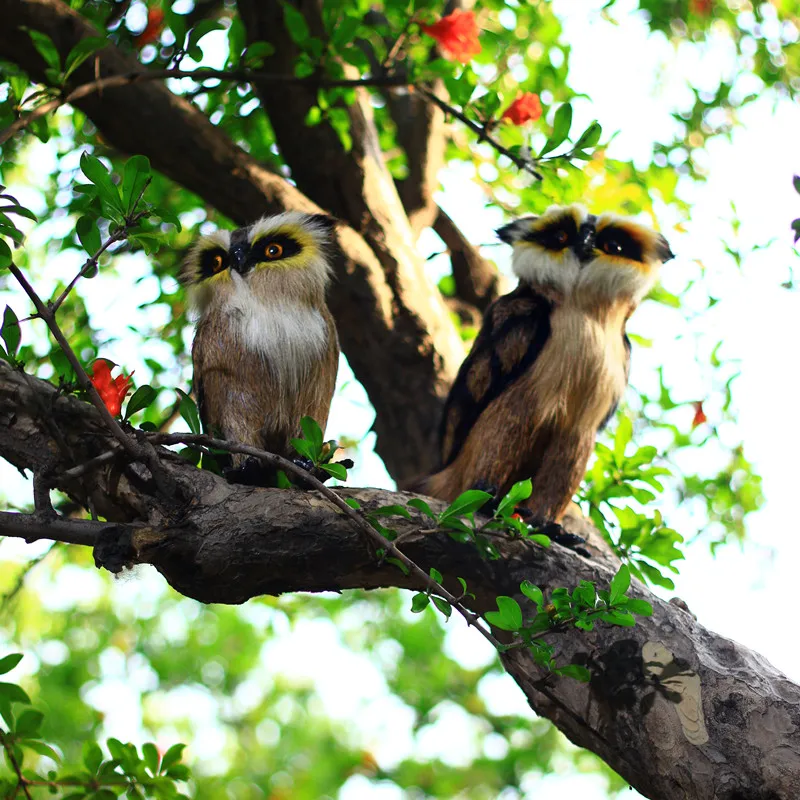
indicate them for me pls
(352, 696)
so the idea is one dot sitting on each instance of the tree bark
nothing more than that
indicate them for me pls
(677, 710)
(394, 329)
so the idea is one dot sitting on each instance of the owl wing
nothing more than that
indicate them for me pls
(514, 331)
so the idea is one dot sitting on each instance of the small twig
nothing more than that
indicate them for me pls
(117, 236)
(23, 784)
(89, 466)
(480, 130)
(361, 523)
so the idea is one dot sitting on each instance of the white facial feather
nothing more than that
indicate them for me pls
(289, 336)
(540, 267)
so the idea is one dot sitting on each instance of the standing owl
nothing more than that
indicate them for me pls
(265, 351)
(551, 361)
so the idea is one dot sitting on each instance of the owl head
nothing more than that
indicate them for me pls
(577, 254)
(283, 256)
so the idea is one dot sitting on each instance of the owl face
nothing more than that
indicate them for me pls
(575, 253)
(285, 252)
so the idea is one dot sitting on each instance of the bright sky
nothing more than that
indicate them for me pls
(736, 593)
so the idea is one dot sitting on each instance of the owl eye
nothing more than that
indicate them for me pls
(217, 263)
(612, 247)
(273, 250)
(561, 237)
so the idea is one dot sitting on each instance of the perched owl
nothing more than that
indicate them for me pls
(551, 361)
(265, 351)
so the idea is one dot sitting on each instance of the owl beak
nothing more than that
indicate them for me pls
(238, 254)
(584, 244)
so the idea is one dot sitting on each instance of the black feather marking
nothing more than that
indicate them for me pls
(613, 410)
(535, 327)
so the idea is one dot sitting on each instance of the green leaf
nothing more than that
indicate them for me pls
(283, 481)
(399, 564)
(580, 673)
(313, 434)
(561, 126)
(532, 592)
(421, 505)
(257, 52)
(45, 47)
(436, 575)
(81, 52)
(443, 606)
(172, 757)
(41, 748)
(619, 584)
(88, 234)
(5, 254)
(508, 617)
(519, 491)
(590, 137)
(29, 722)
(140, 399)
(796, 182)
(188, 410)
(7, 663)
(150, 755)
(640, 607)
(134, 179)
(419, 602)
(336, 470)
(10, 331)
(353, 503)
(295, 24)
(466, 503)
(96, 172)
(304, 448)
(618, 618)
(14, 693)
(92, 756)
(391, 511)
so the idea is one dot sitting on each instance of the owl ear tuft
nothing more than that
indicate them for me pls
(324, 221)
(663, 250)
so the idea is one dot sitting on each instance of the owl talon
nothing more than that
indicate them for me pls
(251, 473)
(556, 533)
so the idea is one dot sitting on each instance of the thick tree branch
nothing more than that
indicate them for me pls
(400, 344)
(677, 710)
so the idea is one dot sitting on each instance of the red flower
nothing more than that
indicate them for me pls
(699, 415)
(457, 34)
(112, 391)
(525, 108)
(152, 31)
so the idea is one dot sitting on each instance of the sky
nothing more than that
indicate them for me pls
(758, 320)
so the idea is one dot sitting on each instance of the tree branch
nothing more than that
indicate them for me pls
(677, 710)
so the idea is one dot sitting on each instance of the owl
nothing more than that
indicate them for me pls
(265, 350)
(551, 360)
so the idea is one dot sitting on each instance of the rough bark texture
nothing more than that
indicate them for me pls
(394, 328)
(677, 710)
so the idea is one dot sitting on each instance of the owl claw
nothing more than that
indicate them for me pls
(556, 533)
(251, 473)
